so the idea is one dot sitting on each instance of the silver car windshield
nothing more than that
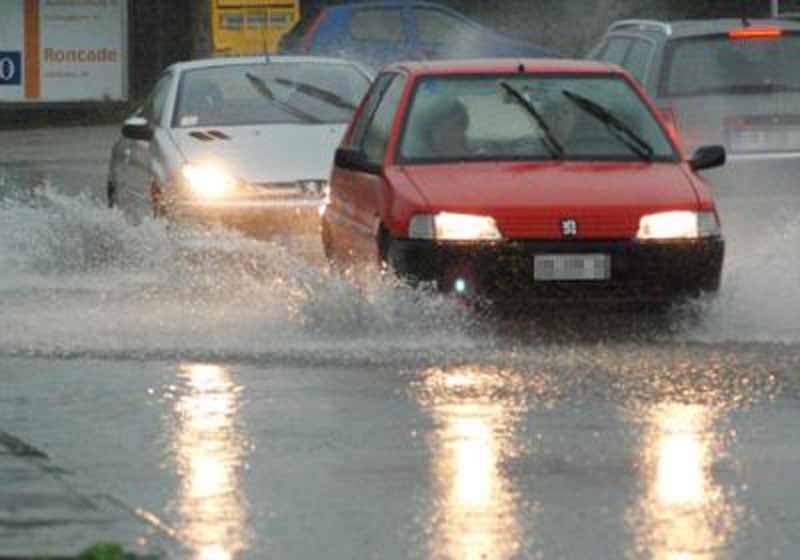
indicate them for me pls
(721, 65)
(551, 116)
(269, 93)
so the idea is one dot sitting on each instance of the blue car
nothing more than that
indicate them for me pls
(377, 33)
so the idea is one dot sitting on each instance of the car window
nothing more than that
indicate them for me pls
(458, 118)
(376, 136)
(294, 38)
(437, 101)
(436, 26)
(720, 65)
(269, 93)
(155, 105)
(615, 50)
(638, 59)
(380, 24)
(370, 104)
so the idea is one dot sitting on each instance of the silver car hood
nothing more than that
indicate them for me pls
(265, 153)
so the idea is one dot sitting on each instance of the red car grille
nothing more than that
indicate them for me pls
(549, 226)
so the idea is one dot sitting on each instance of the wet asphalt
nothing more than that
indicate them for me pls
(583, 436)
(595, 452)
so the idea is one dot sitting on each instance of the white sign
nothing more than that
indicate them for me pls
(63, 50)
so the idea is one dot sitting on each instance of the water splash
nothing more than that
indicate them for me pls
(79, 279)
(760, 299)
(53, 235)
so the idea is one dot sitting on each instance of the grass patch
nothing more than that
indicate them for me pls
(99, 551)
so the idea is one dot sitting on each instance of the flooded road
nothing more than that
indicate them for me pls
(228, 398)
(558, 453)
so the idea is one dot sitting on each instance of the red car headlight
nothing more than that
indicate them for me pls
(449, 226)
(678, 225)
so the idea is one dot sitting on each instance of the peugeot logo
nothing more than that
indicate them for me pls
(569, 227)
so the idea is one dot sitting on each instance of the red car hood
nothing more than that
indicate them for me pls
(528, 200)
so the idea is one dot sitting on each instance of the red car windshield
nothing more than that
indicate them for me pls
(530, 117)
(725, 65)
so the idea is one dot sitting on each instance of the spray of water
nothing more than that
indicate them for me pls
(760, 300)
(79, 279)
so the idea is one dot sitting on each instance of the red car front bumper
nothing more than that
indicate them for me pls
(639, 272)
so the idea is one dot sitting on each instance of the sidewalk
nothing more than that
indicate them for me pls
(42, 515)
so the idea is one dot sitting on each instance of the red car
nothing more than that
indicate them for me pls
(535, 179)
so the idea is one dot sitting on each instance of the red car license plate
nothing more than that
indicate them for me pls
(571, 267)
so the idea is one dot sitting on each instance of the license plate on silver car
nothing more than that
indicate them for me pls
(571, 267)
(764, 140)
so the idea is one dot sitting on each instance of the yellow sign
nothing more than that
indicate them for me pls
(250, 27)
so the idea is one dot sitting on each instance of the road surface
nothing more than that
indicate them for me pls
(215, 397)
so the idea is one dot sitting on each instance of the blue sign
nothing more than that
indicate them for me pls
(10, 68)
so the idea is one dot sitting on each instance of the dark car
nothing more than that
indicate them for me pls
(733, 82)
(535, 180)
(376, 33)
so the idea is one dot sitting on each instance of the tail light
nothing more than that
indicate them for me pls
(756, 33)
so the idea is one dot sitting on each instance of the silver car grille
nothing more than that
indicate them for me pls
(293, 189)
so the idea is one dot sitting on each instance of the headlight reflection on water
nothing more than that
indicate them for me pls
(683, 514)
(476, 514)
(210, 451)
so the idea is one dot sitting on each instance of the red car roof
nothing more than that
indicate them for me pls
(504, 66)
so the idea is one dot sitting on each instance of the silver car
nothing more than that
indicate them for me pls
(734, 82)
(243, 141)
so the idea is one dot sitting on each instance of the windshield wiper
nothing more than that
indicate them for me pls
(260, 86)
(619, 128)
(263, 89)
(317, 93)
(549, 141)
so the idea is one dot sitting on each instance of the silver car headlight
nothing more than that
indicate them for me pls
(678, 225)
(449, 226)
(209, 180)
